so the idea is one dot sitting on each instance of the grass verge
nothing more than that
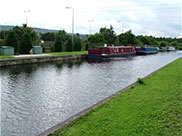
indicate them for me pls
(150, 109)
(5, 57)
(68, 53)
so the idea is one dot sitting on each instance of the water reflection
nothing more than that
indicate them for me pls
(36, 97)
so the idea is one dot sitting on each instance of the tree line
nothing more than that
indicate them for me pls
(108, 36)
(23, 38)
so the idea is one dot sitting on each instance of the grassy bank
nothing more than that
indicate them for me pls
(150, 109)
(68, 53)
(5, 57)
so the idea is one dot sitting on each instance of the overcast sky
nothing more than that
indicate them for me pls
(144, 17)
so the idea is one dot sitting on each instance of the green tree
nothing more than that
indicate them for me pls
(21, 30)
(163, 44)
(58, 43)
(109, 35)
(128, 38)
(63, 35)
(144, 39)
(96, 38)
(174, 43)
(3, 34)
(69, 44)
(11, 40)
(77, 44)
(48, 36)
(86, 46)
(25, 43)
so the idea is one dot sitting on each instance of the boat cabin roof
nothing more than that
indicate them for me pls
(115, 47)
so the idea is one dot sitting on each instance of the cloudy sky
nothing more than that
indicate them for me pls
(144, 17)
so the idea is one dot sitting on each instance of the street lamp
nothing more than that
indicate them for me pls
(122, 25)
(72, 22)
(4, 33)
(90, 21)
(26, 12)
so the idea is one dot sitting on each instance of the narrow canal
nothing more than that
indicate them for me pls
(37, 97)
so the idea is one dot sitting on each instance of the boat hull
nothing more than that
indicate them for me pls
(146, 52)
(111, 55)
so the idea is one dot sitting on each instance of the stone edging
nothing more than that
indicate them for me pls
(39, 59)
(85, 111)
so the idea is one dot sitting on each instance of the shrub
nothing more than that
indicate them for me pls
(58, 44)
(69, 44)
(26, 43)
(11, 40)
(140, 81)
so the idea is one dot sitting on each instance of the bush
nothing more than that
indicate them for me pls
(163, 44)
(69, 44)
(140, 81)
(77, 44)
(25, 43)
(58, 44)
(11, 40)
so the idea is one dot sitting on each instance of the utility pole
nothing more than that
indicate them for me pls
(72, 23)
(90, 27)
(26, 12)
(4, 33)
(121, 26)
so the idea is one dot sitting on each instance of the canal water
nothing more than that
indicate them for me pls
(37, 97)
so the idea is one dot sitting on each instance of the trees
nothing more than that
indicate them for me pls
(48, 36)
(174, 43)
(163, 44)
(63, 35)
(3, 34)
(109, 35)
(77, 44)
(94, 41)
(21, 39)
(11, 40)
(21, 30)
(96, 38)
(25, 43)
(58, 43)
(127, 38)
(144, 40)
(69, 44)
(61, 41)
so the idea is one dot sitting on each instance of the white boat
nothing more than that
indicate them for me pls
(171, 49)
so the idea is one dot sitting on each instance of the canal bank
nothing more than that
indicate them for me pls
(31, 59)
(38, 96)
(142, 108)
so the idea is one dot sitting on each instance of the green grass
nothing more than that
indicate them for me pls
(150, 109)
(5, 57)
(68, 53)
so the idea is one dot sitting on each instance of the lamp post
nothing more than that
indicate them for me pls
(122, 25)
(26, 12)
(90, 21)
(4, 33)
(72, 22)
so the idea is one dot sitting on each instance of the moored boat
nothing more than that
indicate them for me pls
(162, 49)
(170, 49)
(146, 50)
(112, 51)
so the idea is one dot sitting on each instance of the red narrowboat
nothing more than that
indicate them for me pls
(112, 51)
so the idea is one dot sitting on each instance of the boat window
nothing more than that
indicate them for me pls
(117, 49)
